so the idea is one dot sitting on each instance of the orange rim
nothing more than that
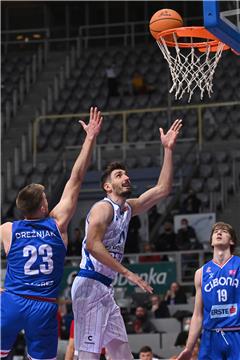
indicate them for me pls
(192, 32)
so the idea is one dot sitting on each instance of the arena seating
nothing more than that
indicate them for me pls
(167, 325)
(87, 86)
(19, 73)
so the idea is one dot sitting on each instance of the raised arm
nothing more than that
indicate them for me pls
(64, 210)
(196, 321)
(100, 217)
(163, 187)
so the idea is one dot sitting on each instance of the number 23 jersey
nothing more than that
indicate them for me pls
(35, 259)
(221, 294)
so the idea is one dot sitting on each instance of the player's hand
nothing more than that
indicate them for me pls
(169, 139)
(185, 355)
(134, 278)
(95, 122)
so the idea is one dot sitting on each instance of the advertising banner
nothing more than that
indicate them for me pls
(158, 275)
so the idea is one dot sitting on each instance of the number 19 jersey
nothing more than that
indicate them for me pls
(221, 294)
(35, 259)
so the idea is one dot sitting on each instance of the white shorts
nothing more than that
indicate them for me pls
(97, 318)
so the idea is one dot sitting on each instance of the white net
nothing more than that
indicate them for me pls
(190, 69)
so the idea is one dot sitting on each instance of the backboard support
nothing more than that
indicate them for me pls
(222, 18)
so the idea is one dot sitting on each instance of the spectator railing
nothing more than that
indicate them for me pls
(125, 113)
(122, 33)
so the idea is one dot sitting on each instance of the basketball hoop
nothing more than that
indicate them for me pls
(191, 69)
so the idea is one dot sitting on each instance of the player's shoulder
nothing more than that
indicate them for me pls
(102, 204)
(5, 235)
(236, 258)
(51, 218)
(6, 226)
(102, 209)
(199, 271)
(198, 275)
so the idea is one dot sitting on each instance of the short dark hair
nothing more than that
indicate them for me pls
(145, 349)
(230, 230)
(114, 165)
(29, 198)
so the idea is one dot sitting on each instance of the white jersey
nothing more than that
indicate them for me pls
(114, 240)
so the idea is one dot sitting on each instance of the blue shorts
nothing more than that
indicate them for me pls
(220, 346)
(38, 319)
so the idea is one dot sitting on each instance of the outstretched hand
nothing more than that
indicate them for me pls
(169, 139)
(137, 280)
(95, 122)
(185, 355)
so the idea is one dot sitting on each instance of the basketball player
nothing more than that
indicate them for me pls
(36, 248)
(98, 322)
(217, 303)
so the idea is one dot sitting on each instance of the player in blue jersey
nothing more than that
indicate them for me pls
(97, 318)
(36, 248)
(217, 302)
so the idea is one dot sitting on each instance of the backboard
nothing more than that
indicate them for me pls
(222, 18)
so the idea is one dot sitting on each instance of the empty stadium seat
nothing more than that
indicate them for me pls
(205, 157)
(42, 143)
(46, 128)
(5, 207)
(197, 184)
(168, 340)
(114, 103)
(131, 162)
(180, 307)
(26, 168)
(204, 197)
(168, 325)
(140, 299)
(224, 169)
(224, 131)
(205, 171)
(221, 156)
(133, 122)
(37, 178)
(145, 161)
(11, 196)
(132, 136)
(213, 184)
(19, 181)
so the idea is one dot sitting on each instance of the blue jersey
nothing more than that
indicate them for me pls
(221, 294)
(35, 259)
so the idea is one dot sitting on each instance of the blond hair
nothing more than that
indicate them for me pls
(29, 198)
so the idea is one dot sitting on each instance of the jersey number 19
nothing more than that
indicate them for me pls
(222, 295)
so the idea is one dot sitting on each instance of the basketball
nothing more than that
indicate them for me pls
(163, 20)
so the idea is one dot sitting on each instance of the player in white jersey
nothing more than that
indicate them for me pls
(98, 321)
